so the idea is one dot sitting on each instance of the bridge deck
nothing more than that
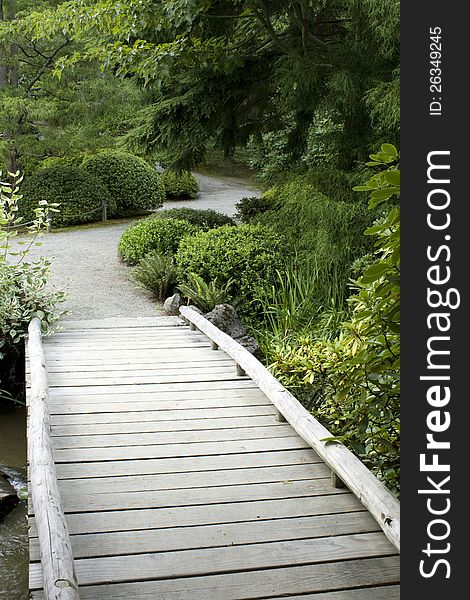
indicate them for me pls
(178, 482)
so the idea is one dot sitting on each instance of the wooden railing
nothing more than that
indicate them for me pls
(59, 579)
(373, 494)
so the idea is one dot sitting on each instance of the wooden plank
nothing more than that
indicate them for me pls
(212, 536)
(272, 583)
(372, 492)
(155, 404)
(162, 396)
(168, 481)
(162, 415)
(196, 496)
(232, 559)
(384, 592)
(185, 464)
(188, 516)
(92, 348)
(69, 381)
(137, 370)
(126, 364)
(120, 323)
(239, 383)
(178, 450)
(157, 426)
(60, 581)
(173, 437)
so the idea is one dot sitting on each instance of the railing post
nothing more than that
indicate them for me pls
(104, 214)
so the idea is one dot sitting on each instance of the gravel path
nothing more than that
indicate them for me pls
(85, 261)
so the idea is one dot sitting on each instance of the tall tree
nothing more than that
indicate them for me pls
(41, 116)
(222, 71)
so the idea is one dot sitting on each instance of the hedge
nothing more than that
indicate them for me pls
(247, 254)
(80, 195)
(133, 184)
(152, 235)
(180, 184)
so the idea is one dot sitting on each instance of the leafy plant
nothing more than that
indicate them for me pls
(247, 256)
(152, 235)
(132, 183)
(352, 382)
(204, 295)
(250, 207)
(157, 273)
(80, 195)
(203, 218)
(180, 184)
(24, 289)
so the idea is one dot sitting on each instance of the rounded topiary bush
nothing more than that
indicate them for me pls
(80, 195)
(152, 235)
(247, 254)
(202, 218)
(180, 184)
(133, 184)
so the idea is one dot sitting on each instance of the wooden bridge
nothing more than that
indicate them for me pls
(161, 467)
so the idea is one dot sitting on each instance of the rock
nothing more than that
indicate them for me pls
(8, 496)
(172, 304)
(226, 319)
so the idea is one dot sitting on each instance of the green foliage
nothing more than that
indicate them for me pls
(222, 72)
(131, 182)
(247, 256)
(204, 295)
(250, 207)
(180, 184)
(352, 383)
(327, 234)
(152, 235)
(157, 273)
(24, 289)
(79, 194)
(202, 218)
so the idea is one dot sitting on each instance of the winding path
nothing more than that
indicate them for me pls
(85, 261)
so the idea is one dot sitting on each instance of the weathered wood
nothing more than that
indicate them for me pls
(173, 437)
(197, 496)
(120, 323)
(178, 450)
(214, 346)
(280, 417)
(186, 464)
(234, 558)
(247, 585)
(213, 536)
(146, 405)
(60, 582)
(384, 507)
(336, 482)
(168, 481)
(189, 516)
(164, 415)
(164, 426)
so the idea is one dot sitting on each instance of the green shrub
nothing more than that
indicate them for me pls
(152, 235)
(157, 273)
(24, 284)
(247, 254)
(326, 234)
(203, 218)
(352, 383)
(204, 295)
(180, 184)
(133, 184)
(79, 194)
(250, 207)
